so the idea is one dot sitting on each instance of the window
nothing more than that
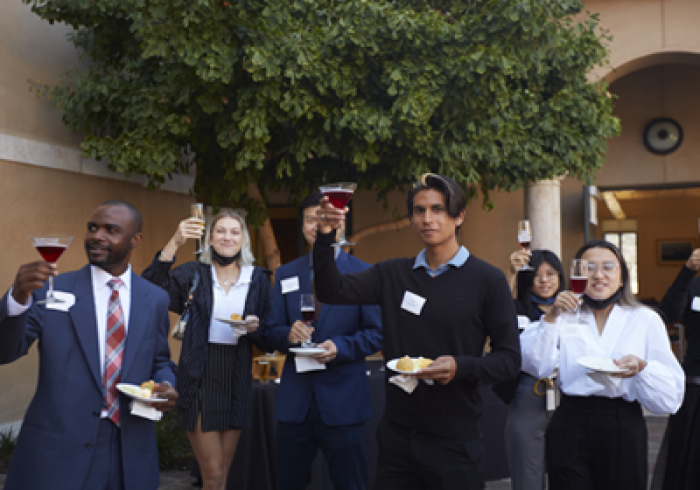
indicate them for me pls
(623, 234)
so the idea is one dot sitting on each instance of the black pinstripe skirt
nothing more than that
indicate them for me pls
(220, 402)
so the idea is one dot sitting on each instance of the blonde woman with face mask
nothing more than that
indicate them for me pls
(214, 376)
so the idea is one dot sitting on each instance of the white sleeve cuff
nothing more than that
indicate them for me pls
(13, 307)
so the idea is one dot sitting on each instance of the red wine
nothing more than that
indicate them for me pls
(307, 316)
(525, 245)
(51, 253)
(578, 284)
(338, 197)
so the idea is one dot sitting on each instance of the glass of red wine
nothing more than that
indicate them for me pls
(339, 195)
(51, 247)
(579, 281)
(524, 239)
(308, 314)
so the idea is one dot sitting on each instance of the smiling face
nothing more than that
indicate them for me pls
(605, 274)
(111, 236)
(430, 219)
(226, 236)
(309, 226)
(546, 281)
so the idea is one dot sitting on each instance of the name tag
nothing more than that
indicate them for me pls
(289, 285)
(67, 298)
(573, 330)
(695, 305)
(412, 303)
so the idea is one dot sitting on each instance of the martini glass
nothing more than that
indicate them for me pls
(51, 247)
(339, 194)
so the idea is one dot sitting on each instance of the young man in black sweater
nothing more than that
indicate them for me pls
(442, 305)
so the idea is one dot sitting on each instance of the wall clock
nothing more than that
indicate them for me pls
(663, 135)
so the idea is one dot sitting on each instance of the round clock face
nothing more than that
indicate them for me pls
(663, 136)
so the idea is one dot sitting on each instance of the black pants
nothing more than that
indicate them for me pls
(596, 443)
(412, 460)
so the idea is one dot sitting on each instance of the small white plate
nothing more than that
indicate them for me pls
(600, 364)
(392, 365)
(231, 322)
(307, 351)
(129, 390)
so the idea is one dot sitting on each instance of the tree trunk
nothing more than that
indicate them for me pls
(272, 252)
(393, 225)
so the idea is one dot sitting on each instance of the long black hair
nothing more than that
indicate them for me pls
(525, 280)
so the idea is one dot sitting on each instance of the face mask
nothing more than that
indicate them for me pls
(601, 304)
(542, 301)
(223, 261)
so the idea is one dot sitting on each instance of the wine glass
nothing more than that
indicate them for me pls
(579, 281)
(197, 211)
(51, 247)
(308, 313)
(339, 194)
(524, 239)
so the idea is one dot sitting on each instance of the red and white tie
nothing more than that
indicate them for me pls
(114, 351)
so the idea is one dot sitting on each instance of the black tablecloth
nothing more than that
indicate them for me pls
(253, 466)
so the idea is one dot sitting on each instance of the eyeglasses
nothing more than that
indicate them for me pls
(606, 268)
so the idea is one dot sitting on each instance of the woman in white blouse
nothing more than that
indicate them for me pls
(597, 438)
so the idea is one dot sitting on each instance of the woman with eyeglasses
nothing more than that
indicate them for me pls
(597, 438)
(535, 290)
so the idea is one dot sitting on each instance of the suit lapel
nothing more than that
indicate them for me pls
(138, 322)
(82, 315)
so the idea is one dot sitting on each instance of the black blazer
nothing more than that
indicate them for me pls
(177, 282)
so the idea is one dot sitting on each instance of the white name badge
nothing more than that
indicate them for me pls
(695, 305)
(289, 285)
(68, 300)
(412, 303)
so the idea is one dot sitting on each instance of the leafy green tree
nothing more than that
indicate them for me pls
(280, 94)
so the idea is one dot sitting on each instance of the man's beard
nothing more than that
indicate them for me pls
(107, 259)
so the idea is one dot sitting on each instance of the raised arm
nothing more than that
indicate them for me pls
(675, 301)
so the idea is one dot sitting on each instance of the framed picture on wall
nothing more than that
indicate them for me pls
(674, 251)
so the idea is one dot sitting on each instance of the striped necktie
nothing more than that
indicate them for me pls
(114, 351)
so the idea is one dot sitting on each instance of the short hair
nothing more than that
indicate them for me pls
(247, 257)
(136, 216)
(455, 200)
(628, 298)
(313, 199)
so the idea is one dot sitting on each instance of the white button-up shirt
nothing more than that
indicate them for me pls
(226, 304)
(659, 388)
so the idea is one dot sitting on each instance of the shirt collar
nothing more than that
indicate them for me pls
(457, 261)
(101, 277)
(245, 277)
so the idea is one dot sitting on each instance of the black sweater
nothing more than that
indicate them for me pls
(463, 306)
(676, 304)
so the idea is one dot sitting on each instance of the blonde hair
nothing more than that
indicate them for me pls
(246, 257)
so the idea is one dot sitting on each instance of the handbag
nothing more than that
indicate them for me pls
(179, 328)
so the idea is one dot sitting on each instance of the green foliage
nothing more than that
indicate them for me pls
(289, 92)
(8, 440)
(174, 450)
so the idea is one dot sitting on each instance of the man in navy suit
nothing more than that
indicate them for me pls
(327, 407)
(78, 432)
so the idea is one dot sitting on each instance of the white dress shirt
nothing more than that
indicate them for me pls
(101, 292)
(226, 304)
(628, 330)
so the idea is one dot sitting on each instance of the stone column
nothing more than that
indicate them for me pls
(543, 209)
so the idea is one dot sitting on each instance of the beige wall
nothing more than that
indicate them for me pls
(30, 48)
(37, 200)
(658, 91)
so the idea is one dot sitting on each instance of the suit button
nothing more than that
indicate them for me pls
(95, 413)
(88, 446)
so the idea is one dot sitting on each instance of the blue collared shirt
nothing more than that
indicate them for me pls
(457, 261)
